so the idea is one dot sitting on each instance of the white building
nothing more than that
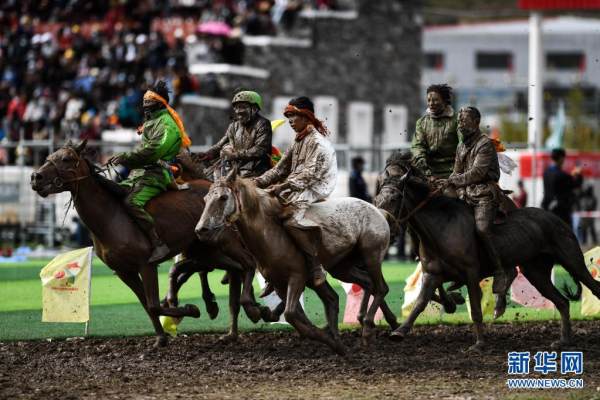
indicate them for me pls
(487, 63)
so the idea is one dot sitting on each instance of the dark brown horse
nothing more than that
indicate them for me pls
(121, 244)
(532, 238)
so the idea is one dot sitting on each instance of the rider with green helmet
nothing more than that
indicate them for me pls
(248, 138)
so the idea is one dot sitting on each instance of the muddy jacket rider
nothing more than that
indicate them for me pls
(475, 177)
(163, 135)
(247, 141)
(435, 140)
(306, 173)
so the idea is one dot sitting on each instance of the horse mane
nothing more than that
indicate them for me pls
(255, 196)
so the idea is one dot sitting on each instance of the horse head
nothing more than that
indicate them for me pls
(392, 180)
(61, 171)
(221, 208)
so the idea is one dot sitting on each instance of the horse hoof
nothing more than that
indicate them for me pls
(339, 349)
(398, 335)
(228, 338)
(212, 309)
(457, 297)
(477, 348)
(559, 344)
(192, 311)
(361, 319)
(161, 341)
(499, 312)
(450, 308)
(253, 314)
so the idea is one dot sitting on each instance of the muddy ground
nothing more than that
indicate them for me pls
(430, 364)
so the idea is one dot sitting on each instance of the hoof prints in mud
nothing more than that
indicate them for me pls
(431, 362)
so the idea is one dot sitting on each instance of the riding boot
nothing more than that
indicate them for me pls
(146, 223)
(484, 218)
(161, 250)
(307, 237)
(500, 285)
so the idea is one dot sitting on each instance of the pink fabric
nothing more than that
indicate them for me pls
(523, 293)
(353, 299)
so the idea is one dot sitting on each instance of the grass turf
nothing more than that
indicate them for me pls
(115, 310)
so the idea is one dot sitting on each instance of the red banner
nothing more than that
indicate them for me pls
(559, 4)
(589, 162)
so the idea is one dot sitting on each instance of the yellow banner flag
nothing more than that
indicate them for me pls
(488, 302)
(590, 304)
(414, 283)
(66, 284)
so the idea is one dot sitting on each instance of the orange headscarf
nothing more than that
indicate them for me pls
(319, 125)
(185, 139)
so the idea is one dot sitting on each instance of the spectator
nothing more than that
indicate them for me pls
(588, 203)
(357, 185)
(520, 199)
(558, 187)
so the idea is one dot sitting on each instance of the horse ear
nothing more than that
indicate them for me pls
(81, 146)
(404, 177)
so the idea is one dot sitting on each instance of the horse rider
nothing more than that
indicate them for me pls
(163, 135)
(247, 141)
(475, 176)
(436, 136)
(307, 173)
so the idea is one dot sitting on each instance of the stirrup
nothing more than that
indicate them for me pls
(159, 253)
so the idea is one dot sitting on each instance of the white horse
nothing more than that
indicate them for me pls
(355, 238)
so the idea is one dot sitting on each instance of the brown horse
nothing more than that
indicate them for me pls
(122, 245)
(355, 240)
(532, 238)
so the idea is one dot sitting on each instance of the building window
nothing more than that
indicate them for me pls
(434, 61)
(565, 61)
(494, 61)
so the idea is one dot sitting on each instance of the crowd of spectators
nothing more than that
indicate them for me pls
(73, 68)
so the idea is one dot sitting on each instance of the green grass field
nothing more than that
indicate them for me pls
(115, 310)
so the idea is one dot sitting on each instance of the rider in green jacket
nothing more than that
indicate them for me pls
(162, 138)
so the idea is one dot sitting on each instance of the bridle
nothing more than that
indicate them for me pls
(400, 221)
(59, 181)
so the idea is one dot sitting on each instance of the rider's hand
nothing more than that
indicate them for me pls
(116, 160)
(198, 157)
(229, 154)
(275, 190)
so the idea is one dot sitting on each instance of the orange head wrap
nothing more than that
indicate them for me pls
(185, 140)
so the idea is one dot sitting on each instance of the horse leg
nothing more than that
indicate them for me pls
(500, 306)
(295, 287)
(235, 284)
(360, 277)
(430, 283)
(179, 273)
(210, 301)
(150, 282)
(133, 281)
(538, 274)
(380, 290)
(251, 307)
(476, 315)
(331, 303)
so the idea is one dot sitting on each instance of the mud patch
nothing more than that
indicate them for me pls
(431, 363)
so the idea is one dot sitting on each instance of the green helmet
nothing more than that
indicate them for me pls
(249, 97)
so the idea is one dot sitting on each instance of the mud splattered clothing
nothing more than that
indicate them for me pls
(251, 143)
(310, 169)
(434, 143)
